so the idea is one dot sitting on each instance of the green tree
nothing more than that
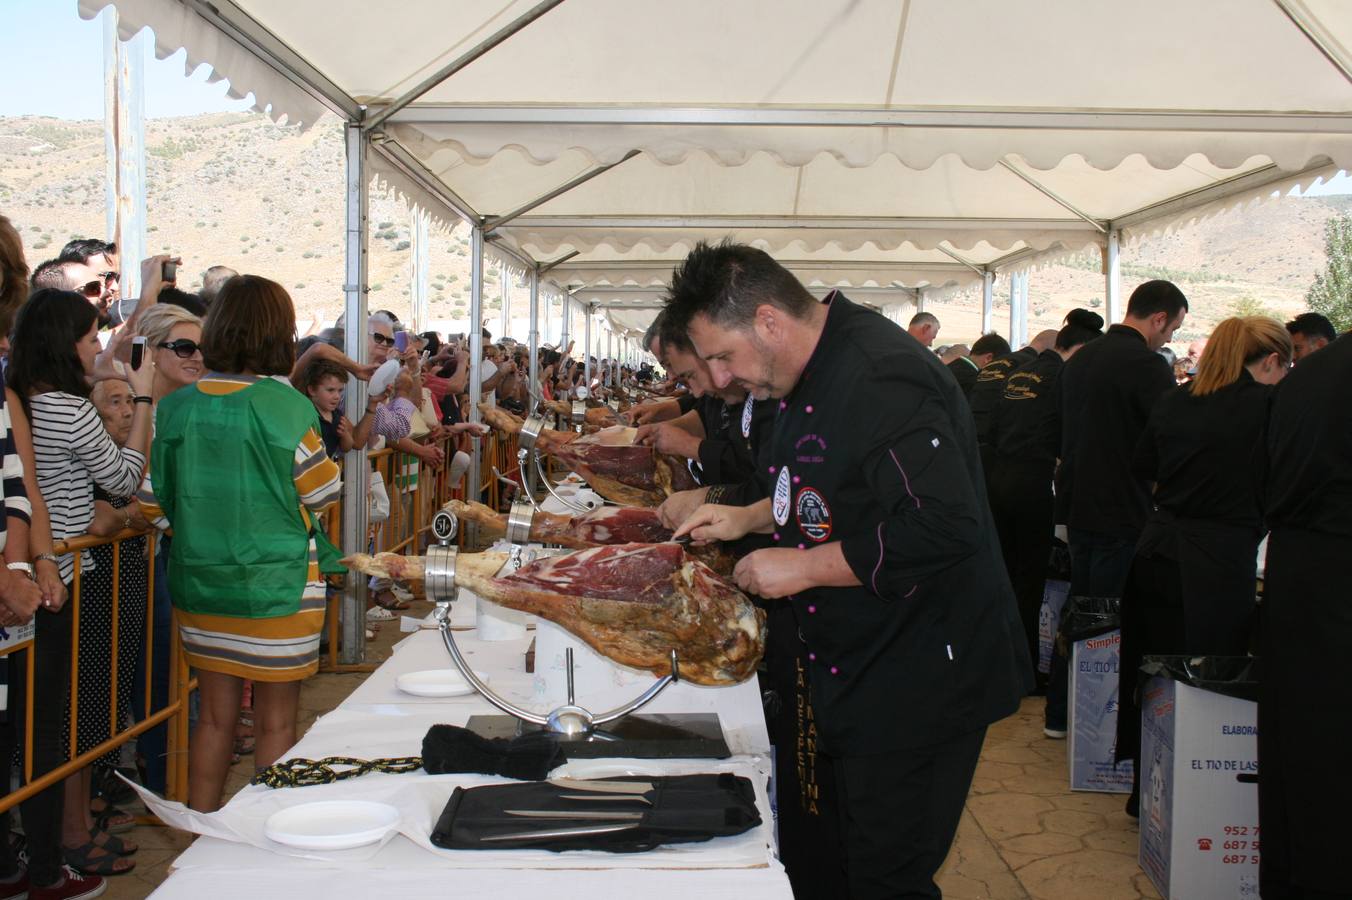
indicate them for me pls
(1331, 293)
(1246, 306)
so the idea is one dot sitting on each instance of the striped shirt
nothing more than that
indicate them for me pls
(73, 453)
(17, 505)
(318, 480)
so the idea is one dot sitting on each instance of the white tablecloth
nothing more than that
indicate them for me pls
(377, 720)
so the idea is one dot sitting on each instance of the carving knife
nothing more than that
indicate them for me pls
(598, 798)
(547, 833)
(575, 815)
(602, 786)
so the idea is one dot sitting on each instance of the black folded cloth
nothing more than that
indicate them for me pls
(683, 809)
(529, 757)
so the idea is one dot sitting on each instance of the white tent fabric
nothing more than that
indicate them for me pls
(906, 144)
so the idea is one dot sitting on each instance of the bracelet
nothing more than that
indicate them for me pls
(47, 557)
(140, 398)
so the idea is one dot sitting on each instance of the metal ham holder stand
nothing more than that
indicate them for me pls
(683, 735)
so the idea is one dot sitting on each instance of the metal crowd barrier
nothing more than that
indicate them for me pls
(411, 508)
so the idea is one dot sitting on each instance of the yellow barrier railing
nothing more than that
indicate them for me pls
(411, 507)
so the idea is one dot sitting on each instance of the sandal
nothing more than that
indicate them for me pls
(387, 600)
(109, 818)
(112, 843)
(91, 859)
(244, 734)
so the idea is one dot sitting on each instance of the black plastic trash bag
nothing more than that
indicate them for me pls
(1086, 617)
(1233, 676)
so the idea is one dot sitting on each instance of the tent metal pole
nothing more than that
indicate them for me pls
(587, 348)
(1053, 196)
(418, 228)
(402, 160)
(1014, 305)
(565, 329)
(968, 263)
(987, 302)
(534, 362)
(549, 266)
(504, 299)
(794, 223)
(476, 350)
(1316, 34)
(463, 60)
(495, 221)
(357, 472)
(1021, 336)
(1112, 278)
(985, 118)
(244, 30)
(919, 300)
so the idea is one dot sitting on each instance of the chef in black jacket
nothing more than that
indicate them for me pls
(715, 435)
(1024, 443)
(990, 381)
(1192, 584)
(1304, 729)
(883, 544)
(1109, 389)
(966, 369)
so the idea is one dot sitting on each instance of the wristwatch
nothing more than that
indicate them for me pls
(26, 568)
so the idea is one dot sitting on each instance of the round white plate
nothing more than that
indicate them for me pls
(383, 378)
(331, 824)
(437, 683)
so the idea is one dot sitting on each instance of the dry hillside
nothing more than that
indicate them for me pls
(240, 191)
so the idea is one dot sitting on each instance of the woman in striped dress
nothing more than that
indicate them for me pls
(56, 340)
(239, 470)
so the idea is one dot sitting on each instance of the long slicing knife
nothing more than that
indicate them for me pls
(602, 786)
(547, 833)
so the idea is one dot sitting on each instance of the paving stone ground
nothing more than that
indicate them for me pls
(1023, 836)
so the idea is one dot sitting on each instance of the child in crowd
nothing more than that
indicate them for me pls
(324, 382)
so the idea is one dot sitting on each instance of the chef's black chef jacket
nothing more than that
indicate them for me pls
(964, 372)
(874, 448)
(725, 455)
(990, 385)
(1026, 423)
(1108, 389)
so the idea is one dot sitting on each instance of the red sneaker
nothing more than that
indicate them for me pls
(73, 886)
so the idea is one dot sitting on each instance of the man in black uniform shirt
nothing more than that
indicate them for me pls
(1108, 390)
(990, 382)
(883, 544)
(1305, 629)
(966, 368)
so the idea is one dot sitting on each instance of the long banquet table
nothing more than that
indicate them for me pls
(378, 720)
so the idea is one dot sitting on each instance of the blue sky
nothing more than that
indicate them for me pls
(57, 57)
(51, 63)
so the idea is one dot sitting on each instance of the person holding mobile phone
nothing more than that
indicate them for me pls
(54, 348)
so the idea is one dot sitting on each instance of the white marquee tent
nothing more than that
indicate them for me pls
(895, 147)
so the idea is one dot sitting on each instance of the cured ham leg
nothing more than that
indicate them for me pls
(632, 603)
(608, 460)
(606, 525)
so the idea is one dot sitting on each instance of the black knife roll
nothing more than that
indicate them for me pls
(684, 809)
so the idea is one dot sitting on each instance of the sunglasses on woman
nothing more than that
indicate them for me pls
(381, 339)
(182, 348)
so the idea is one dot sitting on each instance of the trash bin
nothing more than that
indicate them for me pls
(1199, 791)
(1091, 628)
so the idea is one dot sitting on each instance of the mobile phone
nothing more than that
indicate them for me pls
(169, 271)
(401, 341)
(138, 352)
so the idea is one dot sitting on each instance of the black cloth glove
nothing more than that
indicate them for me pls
(529, 757)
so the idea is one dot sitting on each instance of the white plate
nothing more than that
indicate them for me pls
(331, 824)
(437, 683)
(383, 378)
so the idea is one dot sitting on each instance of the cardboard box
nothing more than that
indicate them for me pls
(1093, 710)
(1199, 822)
